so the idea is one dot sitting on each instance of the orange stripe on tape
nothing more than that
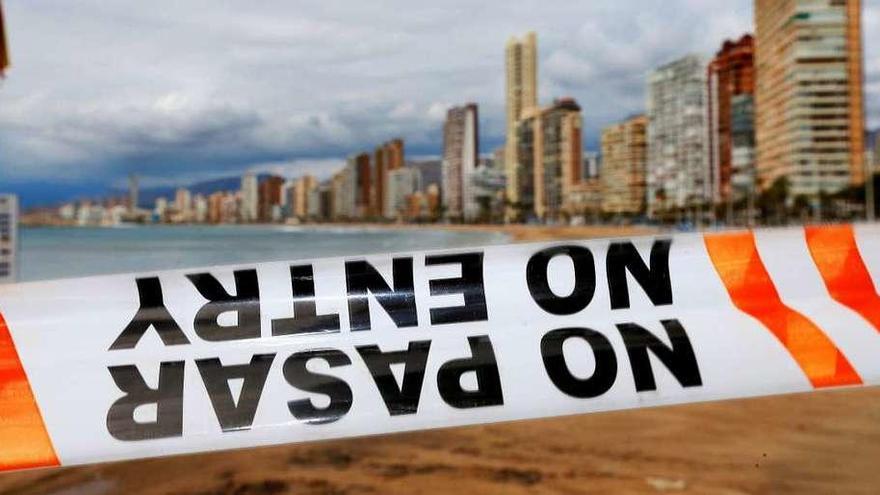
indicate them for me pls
(24, 441)
(837, 257)
(739, 265)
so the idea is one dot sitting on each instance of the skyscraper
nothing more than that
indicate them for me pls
(377, 183)
(362, 182)
(133, 196)
(269, 193)
(624, 156)
(460, 154)
(678, 173)
(550, 159)
(402, 183)
(341, 199)
(249, 198)
(299, 196)
(809, 108)
(563, 157)
(743, 181)
(521, 97)
(183, 204)
(200, 208)
(731, 74)
(388, 157)
(394, 151)
(215, 207)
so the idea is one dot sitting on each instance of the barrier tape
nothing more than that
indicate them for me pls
(133, 366)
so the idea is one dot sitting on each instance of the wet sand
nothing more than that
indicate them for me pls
(815, 443)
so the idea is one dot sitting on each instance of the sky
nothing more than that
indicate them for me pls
(179, 92)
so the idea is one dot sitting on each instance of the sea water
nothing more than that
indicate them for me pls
(48, 253)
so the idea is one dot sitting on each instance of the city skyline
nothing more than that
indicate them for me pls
(564, 69)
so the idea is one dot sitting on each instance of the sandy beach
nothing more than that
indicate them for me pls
(820, 443)
(817, 443)
(527, 233)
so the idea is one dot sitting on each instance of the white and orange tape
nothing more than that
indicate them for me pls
(131, 366)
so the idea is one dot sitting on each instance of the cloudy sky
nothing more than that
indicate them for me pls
(183, 91)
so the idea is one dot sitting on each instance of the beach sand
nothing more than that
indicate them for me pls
(526, 233)
(815, 443)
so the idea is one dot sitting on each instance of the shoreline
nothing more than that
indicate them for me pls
(516, 232)
(525, 233)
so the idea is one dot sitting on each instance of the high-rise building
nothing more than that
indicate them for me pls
(529, 153)
(321, 202)
(395, 154)
(269, 193)
(521, 60)
(624, 159)
(361, 185)
(133, 193)
(8, 237)
(161, 209)
(342, 195)
(743, 181)
(215, 207)
(563, 156)
(299, 196)
(402, 183)
(550, 158)
(313, 204)
(387, 157)
(678, 172)
(730, 74)
(200, 208)
(377, 182)
(487, 189)
(808, 100)
(183, 204)
(231, 207)
(460, 154)
(249, 198)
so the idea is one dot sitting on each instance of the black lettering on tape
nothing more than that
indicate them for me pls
(604, 374)
(168, 398)
(362, 279)
(655, 281)
(679, 359)
(296, 374)
(482, 362)
(231, 414)
(151, 313)
(403, 398)
(245, 304)
(584, 280)
(470, 285)
(305, 312)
